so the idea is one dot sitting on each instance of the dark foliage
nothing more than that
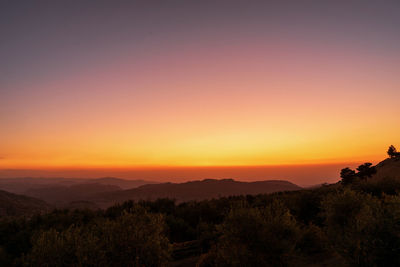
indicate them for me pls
(348, 176)
(392, 152)
(364, 171)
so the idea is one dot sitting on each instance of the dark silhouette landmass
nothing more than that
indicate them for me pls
(66, 192)
(22, 185)
(61, 195)
(195, 190)
(18, 205)
(388, 168)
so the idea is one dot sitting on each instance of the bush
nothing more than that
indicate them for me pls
(365, 230)
(255, 237)
(133, 239)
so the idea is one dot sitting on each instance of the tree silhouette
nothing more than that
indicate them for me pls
(348, 175)
(365, 170)
(392, 152)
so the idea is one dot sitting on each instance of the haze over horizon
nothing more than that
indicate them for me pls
(157, 89)
(302, 175)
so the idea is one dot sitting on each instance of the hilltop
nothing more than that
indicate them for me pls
(388, 168)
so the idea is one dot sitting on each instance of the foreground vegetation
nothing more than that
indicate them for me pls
(353, 223)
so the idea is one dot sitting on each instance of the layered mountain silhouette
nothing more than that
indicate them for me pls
(67, 192)
(104, 192)
(22, 185)
(195, 190)
(75, 193)
(60, 195)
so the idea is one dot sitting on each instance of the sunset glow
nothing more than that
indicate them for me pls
(160, 86)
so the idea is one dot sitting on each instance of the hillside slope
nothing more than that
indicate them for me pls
(195, 190)
(389, 168)
(61, 195)
(16, 205)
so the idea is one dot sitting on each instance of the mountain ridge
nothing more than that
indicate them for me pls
(20, 185)
(195, 190)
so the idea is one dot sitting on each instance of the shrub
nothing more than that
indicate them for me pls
(256, 237)
(365, 230)
(133, 239)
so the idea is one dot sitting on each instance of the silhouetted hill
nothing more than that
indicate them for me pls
(17, 205)
(195, 190)
(22, 185)
(122, 183)
(60, 195)
(389, 168)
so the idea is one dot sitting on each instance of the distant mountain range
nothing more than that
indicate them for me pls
(61, 192)
(194, 190)
(104, 192)
(21, 185)
(60, 195)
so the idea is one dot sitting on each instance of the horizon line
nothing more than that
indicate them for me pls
(152, 167)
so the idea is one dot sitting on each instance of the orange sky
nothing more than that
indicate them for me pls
(210, 95)
(178, 113)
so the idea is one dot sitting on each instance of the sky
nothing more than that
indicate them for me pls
(156, 85)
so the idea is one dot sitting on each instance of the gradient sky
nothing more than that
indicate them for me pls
(128, 84)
